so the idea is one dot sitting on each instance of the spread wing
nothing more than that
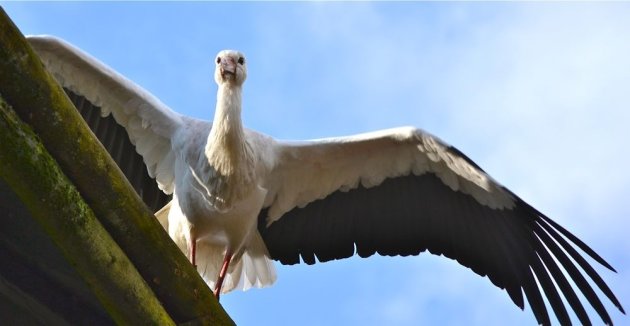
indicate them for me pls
(394, 192)
(149, 123)
(403, 191)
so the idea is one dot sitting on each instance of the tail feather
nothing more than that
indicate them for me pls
(252, 268)
(249, 268)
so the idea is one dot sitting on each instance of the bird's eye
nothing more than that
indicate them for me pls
(241, 60)
(218, 59)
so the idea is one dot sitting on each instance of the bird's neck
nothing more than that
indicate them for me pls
(227, 149)
(227, 126)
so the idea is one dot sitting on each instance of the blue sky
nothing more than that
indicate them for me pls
(537, 93)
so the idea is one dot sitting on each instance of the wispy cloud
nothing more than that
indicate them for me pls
(537, 93)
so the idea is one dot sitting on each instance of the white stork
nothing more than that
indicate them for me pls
(241, 198)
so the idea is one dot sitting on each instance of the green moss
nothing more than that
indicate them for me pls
(52, 200)
(40, 102)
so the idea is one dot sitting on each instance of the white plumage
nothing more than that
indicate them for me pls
(396, 192)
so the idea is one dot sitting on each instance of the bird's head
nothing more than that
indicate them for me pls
(231, 68)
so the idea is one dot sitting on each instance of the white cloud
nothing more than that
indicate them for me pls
(538, 97)
(535, 96)
(557, 114)
(535, 93)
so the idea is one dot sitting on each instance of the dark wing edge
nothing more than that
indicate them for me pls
(519, 249)
(116, 141)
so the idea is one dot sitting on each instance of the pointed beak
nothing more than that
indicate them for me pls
(228, 66)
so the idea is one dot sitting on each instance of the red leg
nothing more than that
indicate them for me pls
(193, 251)
(224, 268)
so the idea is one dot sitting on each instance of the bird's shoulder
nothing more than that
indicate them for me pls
(190, 139)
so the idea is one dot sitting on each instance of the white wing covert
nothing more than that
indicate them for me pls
(307, 171)
(149, 123)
